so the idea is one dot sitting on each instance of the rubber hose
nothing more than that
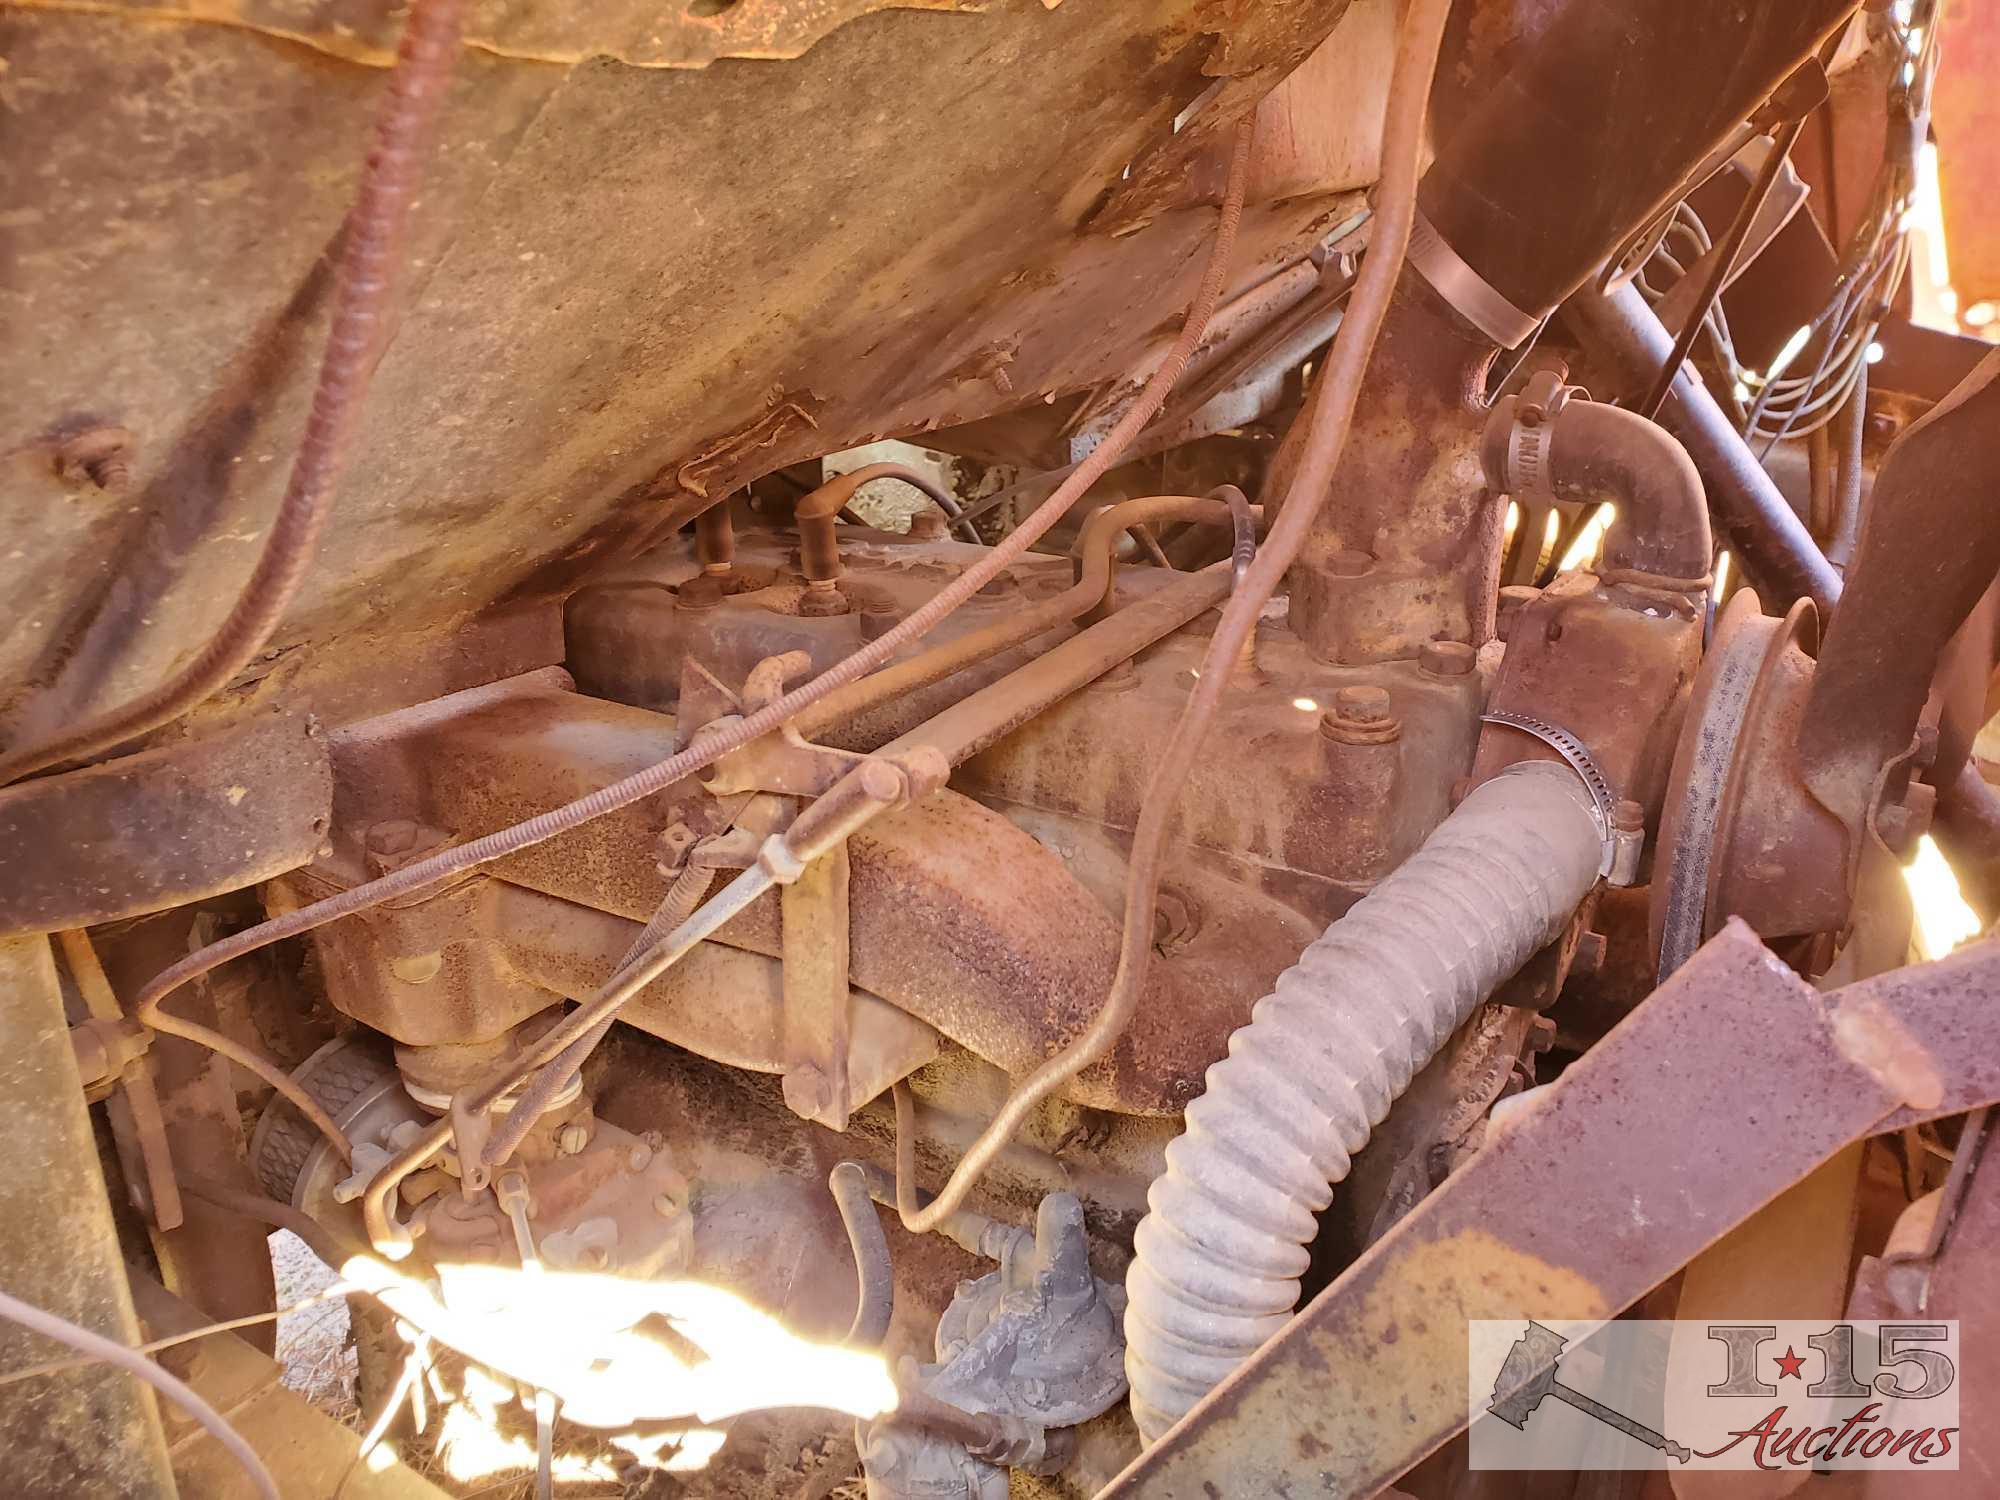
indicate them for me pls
(875, 1296)
(1374, 998)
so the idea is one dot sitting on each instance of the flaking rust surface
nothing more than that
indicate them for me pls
(632, 288)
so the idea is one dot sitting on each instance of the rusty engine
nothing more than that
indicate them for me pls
(942, 750)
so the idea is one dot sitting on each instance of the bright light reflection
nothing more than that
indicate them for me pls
(1943, 919)
(1791, 350)
(1585, 546)
(576, 1335)
(1305, 705)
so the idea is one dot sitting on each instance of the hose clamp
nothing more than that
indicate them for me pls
(1469, 294)
(1531, 433)
(1622, 845)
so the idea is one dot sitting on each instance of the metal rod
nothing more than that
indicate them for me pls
(1725, 263)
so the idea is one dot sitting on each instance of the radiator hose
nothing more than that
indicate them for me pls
(1221, 1250)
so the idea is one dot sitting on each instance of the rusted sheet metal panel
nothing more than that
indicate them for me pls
(1965, 118)
(92, 1430)
(642, 34)
(633, 289)
(1573, 1211)
(164, 827)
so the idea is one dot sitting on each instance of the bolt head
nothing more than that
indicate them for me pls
(572, 1139)
(880, 781)
(806, 1092)
(928, 526)
(1361, 705)
(1445, 658)
(666, 1205)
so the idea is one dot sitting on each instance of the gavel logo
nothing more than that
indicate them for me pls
(1528, 1377)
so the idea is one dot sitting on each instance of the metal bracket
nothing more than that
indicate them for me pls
(1622, 846)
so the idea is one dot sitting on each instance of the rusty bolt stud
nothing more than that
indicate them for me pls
(1883, 426)
(571, 1139)
(1360, 716)
(102, 455)
(928, 526)
(1445, 658)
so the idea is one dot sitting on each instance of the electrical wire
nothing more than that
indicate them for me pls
(406, 1380)
(377, 231)
(425, 873)
(1328, 418)
(135, 1364)
(1725, 263)
(1867, 275)
(249, 1320)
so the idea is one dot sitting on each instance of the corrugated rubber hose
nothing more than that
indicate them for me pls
(1369, 1002)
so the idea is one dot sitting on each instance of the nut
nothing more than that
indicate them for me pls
(703, 591)
(1445, 658)
(822, 601)
(928, 526)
